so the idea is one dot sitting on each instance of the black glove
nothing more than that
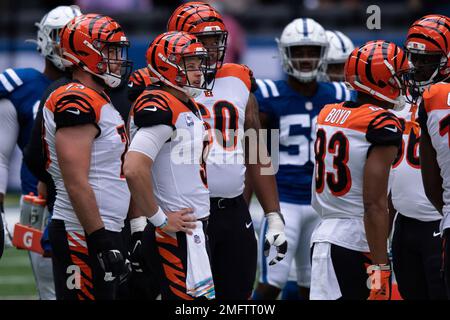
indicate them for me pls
(136, 252)
(110, 258)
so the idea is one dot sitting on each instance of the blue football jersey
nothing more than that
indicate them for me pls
(295, 117)
(24, 88)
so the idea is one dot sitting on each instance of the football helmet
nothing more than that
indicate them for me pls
(167, 59)
(376, 68)
(48, 41)
(98, 45)
(340, 47)
(303, 47)
(203, 21)
(428, 49)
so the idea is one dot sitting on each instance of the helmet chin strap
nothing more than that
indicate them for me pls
(399, 102)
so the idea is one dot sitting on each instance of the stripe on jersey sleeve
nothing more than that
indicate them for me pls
(338, 89)
(263, 87)
(272, 87)
(14, 76)
(6, 84)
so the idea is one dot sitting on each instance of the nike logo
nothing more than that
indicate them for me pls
(247, 225)
(394, 129)
(150, 109)
(76, 111)
(435, 234)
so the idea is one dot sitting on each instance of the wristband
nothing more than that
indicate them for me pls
(159, 219)
(138, 224)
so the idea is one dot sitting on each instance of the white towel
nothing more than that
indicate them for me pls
(324, 284)
(199, 281)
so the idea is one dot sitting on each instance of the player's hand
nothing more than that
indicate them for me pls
(275, 237)
(182, 220)
(137, 229)
(110, 258)
(42, 189)
(5, 234)
(379, 282)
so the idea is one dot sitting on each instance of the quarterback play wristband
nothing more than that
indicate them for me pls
(138, 224)
(159, 219)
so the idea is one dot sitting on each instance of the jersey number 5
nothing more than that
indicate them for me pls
(340, 181)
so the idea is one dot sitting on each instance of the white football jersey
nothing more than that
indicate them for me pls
(223, 110)
(179, 169)
(345, 133)
(74, 104)
(408, 194)
(436, 101)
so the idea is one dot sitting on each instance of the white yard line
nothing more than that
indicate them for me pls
(11, 280)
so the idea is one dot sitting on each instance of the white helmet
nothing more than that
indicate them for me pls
(340, 47)
(302, 32)
(48, 32)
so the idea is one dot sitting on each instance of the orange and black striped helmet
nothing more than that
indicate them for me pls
(166, 59)
(375, 68)
(428, 48)
(98, 45)
(202, 20)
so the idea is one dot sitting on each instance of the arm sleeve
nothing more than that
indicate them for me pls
(150, 110)
(9, 131)
(385, 129)
(149, 140)
(33, 154)
(423, 117)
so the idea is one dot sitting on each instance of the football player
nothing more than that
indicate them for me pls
(356, 143)
(430, 55)
(171, 187)
(292, 106)
(21, 90)
(229, 109)
(416, 241)
(86, 142)
(339, 48)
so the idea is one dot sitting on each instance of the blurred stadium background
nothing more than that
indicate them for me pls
(253, 26)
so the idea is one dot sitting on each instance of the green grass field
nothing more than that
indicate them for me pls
(16, 276)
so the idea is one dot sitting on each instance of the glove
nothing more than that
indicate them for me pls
(110, 258)
(275, 237)
(137, 226)
(136, 252)
(379, 282)
(5, 234)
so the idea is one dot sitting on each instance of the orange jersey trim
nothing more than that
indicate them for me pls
(336, 115)
(236, 70)
(76, 95)
(437, 97)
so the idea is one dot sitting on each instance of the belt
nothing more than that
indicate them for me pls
(224, 203)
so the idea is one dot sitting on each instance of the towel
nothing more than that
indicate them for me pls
(199, 281)
(324, 283)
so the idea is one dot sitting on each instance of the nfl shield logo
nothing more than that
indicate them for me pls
(197, 239)
(189, 120)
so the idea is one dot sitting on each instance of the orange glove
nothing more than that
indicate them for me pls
(379, 282)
